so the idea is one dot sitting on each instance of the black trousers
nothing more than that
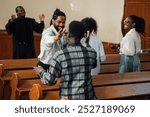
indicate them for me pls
(23, 50)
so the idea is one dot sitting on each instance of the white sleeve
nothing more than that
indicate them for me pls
(102, 56)
(47, 38)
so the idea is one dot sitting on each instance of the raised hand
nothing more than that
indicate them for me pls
(59, 34)
(42, 17)
(13, 17)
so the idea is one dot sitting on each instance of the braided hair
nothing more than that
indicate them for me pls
(90, 26)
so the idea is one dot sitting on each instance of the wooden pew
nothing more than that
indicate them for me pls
(111, 64)
(38, 93)
(112, 59)
(24, 76)
(110, 48)
(127, 91)
(135, 85)
(9, 66)
(22, 82)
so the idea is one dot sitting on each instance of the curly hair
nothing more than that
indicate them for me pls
(139, 23)
(90, 24)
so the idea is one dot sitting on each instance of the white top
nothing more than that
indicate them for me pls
(48, 46)
(96, 43)
(131, 43)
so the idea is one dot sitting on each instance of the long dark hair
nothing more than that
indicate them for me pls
(139, 23)
(90, 25)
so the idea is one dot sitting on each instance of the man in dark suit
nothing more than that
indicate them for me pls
(21, 28)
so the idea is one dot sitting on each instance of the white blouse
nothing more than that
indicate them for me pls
(130, 43)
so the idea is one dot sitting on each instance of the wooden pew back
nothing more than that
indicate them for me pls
(111, 64)
(10, 66)
(18, 63)
(108, 86)
(113, 60)
(125, 91)
(20, 75)
(22, 82)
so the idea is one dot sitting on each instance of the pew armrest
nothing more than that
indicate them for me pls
(35, 92)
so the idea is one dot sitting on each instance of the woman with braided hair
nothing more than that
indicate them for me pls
(91, 38)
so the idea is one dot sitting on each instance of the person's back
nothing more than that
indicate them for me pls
(96, 43)
(73, 66)
(76, 63)
(91, 28)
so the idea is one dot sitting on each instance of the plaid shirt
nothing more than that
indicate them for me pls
(73, 64)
